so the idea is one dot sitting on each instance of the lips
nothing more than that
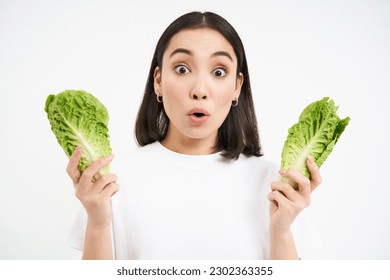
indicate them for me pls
(198, 112)
(198, 115)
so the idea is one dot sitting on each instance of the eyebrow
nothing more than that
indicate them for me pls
(223, 53)
(181, 50)
(188, 52)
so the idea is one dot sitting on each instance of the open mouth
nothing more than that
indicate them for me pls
(198, 115)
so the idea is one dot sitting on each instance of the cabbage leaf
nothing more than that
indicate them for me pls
(315, 134)
(78, 118)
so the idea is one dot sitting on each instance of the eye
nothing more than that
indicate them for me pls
(219, 72)
(182, 69)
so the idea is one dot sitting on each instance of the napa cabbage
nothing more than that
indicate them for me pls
(78, 118)
(315, 134)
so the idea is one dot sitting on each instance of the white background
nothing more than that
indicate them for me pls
(298, 52)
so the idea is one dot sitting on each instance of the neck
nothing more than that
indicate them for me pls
(189, 146)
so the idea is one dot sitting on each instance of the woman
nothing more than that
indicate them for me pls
(198, 187)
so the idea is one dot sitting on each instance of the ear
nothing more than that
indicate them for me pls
(157, 80)
(239, 82)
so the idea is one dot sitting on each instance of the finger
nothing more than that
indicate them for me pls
(286, 189)
(299, 178)
(72, 167)
(104, 181)
(110, 190)
(95, 167)
(315, 175)
(278, 199)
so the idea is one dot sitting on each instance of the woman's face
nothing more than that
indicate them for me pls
(198, 82)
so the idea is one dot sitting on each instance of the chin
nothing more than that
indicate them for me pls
(202, 135)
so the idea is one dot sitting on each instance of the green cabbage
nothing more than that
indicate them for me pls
(316, 133)
(77, 118)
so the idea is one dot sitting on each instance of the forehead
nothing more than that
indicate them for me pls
(200, 40)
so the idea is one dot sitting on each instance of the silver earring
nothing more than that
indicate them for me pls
(159, 98)
(235, 102)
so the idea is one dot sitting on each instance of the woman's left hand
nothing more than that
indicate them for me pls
(286, 202)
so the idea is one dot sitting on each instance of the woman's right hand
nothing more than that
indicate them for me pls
(95, 195)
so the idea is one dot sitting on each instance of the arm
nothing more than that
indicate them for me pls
(95, 196)
(97, 243)
(282, 246)
(286, 204)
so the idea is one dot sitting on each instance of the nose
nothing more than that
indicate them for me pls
(198, 95)
(199, 91)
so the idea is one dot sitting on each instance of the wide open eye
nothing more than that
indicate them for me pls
(181, 69)
(219, 72)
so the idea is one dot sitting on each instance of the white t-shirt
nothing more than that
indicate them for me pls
(175, 206)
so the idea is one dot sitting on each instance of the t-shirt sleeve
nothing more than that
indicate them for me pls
(306, 236)
(77, 233)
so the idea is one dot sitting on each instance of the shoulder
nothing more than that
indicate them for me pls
(258, 163)
(137, 155)
(139, 152)
(258, 170)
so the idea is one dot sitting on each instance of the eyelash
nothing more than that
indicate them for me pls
(223, 69)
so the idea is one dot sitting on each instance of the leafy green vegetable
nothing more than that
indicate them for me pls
(77, 118)
(316, 133)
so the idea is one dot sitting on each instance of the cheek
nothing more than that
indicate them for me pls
(172, 88)
(224, 110)
(225, 95)
(173, 97)
(223, 102)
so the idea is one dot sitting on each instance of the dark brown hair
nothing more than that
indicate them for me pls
(238, 133)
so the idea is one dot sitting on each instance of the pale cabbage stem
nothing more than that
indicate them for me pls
(300, 162)
(85, 147)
